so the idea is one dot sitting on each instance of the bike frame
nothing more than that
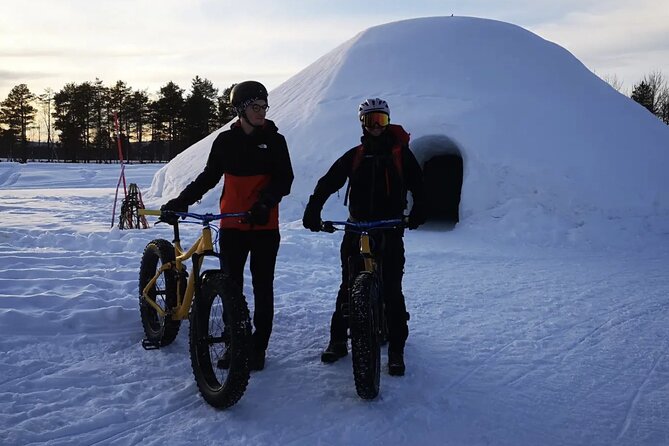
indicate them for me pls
(370, 261)
(201, 248)
(365, 244)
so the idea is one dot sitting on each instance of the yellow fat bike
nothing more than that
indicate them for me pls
(365, 311)
(213, 303)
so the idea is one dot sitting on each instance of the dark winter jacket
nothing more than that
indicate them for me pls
(257, 168)
(377, 189)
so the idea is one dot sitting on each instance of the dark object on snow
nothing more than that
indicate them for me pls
(132, 203)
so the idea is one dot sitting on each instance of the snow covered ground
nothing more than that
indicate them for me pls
(510, 343)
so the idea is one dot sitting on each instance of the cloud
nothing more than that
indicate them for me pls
(20, 77)
(628, 28)
(622, 39)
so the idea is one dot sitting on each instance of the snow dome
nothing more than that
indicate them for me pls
(508, 126)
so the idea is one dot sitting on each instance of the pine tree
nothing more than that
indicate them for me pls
(199, 112)
(17, 112)
(168, 110)
(225, 111)
(138, 107)
(74, 118)
(119, 96)
(643, 94)
(653, 93)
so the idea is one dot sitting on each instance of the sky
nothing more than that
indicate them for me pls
(148, 43)
(541, 318)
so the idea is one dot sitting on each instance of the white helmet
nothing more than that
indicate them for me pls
(373, 105)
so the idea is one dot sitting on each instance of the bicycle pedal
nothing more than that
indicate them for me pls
(149, 345)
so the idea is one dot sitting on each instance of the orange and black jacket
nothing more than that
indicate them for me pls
(256, 167)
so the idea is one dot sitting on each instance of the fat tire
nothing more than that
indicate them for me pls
(364, 323)
(159, 331)
(220, 388)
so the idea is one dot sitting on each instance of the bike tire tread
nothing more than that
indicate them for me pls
(160, 333)
(228, 393)
(365, 348)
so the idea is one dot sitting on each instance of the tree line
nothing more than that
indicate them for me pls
(79, 126)
(77, 123)
(653, 93)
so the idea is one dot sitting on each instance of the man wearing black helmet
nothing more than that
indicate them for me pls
(379, 171)
(253, 158)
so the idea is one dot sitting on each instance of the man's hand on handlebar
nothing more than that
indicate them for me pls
(327, 226)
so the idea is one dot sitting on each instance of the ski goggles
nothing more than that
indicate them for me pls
(375, 119)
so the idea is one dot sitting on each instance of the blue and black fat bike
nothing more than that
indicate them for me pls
(210, 299)
(365, 311)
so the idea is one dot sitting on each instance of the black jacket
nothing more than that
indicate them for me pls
(257, 169)
(377, 190)
(263, 152)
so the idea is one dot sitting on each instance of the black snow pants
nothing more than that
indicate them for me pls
(263, 246)
(393, 270)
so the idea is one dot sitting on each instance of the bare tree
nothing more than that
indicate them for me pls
(45, 100)
(663, 105)
(658, 87)
(614, 81)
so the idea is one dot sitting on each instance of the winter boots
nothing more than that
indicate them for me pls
(334, 351)
(256, 360)
(396, 362)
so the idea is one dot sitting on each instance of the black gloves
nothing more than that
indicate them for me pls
(258, 214)
(312, 216)
(174, 205)
(416, 217)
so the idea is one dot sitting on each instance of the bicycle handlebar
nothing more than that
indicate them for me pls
(331, 226)
(202, 217)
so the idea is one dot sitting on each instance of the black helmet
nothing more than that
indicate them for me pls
(246, 92)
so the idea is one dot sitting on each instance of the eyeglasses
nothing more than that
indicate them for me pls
(257, 107)
(375, 119)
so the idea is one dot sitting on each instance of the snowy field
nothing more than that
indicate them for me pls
(510, 343)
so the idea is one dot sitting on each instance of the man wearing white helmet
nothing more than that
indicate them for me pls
(380, 171)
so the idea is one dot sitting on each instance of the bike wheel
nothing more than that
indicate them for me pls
(220, 316)
(364, 323)
(159, 330)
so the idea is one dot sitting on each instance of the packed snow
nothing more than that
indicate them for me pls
(540, 319)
